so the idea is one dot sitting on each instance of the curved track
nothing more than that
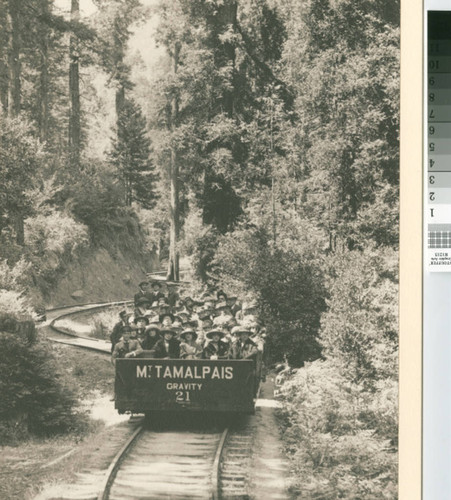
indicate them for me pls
(156, 465)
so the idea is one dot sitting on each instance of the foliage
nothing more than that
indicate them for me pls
(20, 157)
(34, 394)
(340, 437)
(131, 157)
(360, 327)
(54, 232)
(288, 287)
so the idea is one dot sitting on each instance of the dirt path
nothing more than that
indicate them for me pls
(269, 468)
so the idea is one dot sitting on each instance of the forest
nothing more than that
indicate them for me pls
(255, 146)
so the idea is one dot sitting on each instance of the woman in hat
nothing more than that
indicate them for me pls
(166, 319)
(216, 348)
(168, 346)
(151, 337)
(190, 348)
(142, 306)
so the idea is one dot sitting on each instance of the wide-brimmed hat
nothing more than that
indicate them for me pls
(141, 318)
(156, 283)
(163, 315)
(215, 331)
(143, 283)
(240, 329)
(188, 330)
(167, 330)
(247, 306)
(153, 326)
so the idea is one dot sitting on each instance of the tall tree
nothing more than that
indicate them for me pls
(74, 92)
(44, 77)
(4, 36)
(131, 156)
(173, 262)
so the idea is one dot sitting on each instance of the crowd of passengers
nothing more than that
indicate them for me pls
(166, 325)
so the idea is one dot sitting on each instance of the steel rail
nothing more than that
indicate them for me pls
(116, 463)
(215, 480)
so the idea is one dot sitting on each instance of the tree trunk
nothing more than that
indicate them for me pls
(43, 118)
(173, 263)
(4, 42)
(14, 66)
(74, 91)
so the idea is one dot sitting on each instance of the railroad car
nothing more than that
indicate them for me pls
(144, 385)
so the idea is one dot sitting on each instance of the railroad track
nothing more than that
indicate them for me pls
(160, 465)
(74, 339)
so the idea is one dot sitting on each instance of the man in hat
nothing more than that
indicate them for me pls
(143, 292)
(216, 348)
(168, 346)
(156, 293)
(140, 331)
(126, 347)
(173, 294)
(118, 329)
(189, 347)
(244, 347)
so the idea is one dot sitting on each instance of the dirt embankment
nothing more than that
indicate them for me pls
(97, 275)
(109, 269)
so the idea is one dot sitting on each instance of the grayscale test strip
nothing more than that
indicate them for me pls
(436, 435)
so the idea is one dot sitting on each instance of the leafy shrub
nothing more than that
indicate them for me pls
(360, 327)
(35, 398)
(338, 434)
(55, 232)
(14, 277)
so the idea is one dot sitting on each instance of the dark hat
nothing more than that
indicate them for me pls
(123, 314)
(156, 283)
(167, 330)
(220, 292)
(143, 283)
(231, 301)
(205, 314)
(214, 331)
(141, 318)
(143, 300)
(183, 313)
(163, 315)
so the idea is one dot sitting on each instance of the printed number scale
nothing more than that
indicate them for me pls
(438, 155)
